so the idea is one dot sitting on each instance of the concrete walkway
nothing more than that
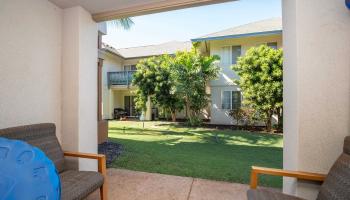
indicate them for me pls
(132, 185)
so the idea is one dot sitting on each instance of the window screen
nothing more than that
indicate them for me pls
(225, 57)
(236, 52)
(130, 67)
(236, 99)
(226, 100)
(231, 100)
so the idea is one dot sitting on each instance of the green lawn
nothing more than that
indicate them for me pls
(168, 148)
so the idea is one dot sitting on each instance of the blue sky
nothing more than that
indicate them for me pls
(186, 24)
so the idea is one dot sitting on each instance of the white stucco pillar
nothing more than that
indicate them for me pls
(79, 84)
(316, 37)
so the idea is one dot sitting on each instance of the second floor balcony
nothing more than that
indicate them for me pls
(120, 78)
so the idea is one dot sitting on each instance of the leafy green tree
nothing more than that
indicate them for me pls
(191, 73)
(153, 78)
(261, 80)
(176, 82)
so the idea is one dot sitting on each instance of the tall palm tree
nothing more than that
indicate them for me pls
(125, 23)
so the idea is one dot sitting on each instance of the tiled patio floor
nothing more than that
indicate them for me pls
(131, 185)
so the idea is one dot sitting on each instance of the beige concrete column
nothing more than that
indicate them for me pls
(79, 81)
(316, 87)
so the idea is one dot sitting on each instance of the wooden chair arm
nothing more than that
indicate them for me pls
(280, 172)
(99, 157)
(83, 155)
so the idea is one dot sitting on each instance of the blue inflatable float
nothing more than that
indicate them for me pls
(26, 173)
(347, 3)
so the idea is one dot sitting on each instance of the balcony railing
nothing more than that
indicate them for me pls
(120, 78)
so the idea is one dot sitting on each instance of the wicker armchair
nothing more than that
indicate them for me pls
(335, 185)
(75, 185)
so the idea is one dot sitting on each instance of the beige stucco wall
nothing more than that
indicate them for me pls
(30, 63)
(219, 115)
(48, 65)
(224, 82)
(118, 101)
(70, 81)
(111, 63)
(226, 76)
(79, 81)
(132, 61)
(113, 97)
(216, 46)
(118, 98)
(316, 81)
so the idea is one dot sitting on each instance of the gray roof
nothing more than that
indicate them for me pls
(111, 49)
(154, 50)
(264, 27)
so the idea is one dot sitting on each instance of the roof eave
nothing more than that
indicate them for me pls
(111, 52)
(265, 33)
(148, 56)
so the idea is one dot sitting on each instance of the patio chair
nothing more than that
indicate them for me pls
(75, 185)
(335, 185)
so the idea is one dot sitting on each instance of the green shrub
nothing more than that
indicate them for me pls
(244, 115)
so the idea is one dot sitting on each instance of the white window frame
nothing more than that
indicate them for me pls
(128, 67)
(231, 92)
(229, 47)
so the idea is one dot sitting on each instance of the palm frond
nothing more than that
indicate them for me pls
(125, 23)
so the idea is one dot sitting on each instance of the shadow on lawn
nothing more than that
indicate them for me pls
(222, 162)
(238, 136)
(174, 125)
(147, 131)
(206, 136)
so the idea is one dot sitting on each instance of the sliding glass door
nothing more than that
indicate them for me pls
(129, 105)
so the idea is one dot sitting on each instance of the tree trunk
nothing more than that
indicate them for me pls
(280, 119)
(268, 125)
(269, 121)
(186, 107)
(173, 116)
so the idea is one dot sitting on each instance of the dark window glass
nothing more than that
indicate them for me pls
(272, 45)
(226, 100)
(236, 52)
(236, 99)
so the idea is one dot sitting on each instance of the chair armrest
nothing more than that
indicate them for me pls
(99, 157)
(279, 172)
(83, 155)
